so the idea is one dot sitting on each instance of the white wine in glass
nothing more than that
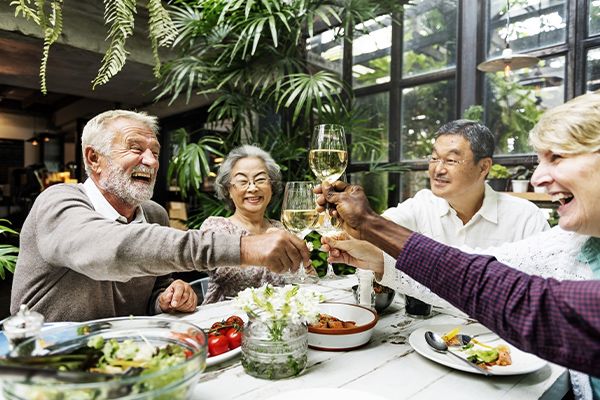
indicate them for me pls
(299, 216)
(328, 165)
(328, 156)
(328, 159)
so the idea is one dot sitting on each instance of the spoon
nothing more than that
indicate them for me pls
(438, 344)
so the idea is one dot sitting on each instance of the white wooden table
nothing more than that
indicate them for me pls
(387, 366)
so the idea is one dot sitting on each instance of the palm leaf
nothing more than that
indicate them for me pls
(189, 165)
(303, 89)
(8, 253)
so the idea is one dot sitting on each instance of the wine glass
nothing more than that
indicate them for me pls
(328, 158)
(299, 216)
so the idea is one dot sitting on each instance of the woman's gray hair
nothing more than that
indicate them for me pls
(98, 134)
(223, 180)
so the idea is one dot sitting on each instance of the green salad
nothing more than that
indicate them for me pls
(121, 365)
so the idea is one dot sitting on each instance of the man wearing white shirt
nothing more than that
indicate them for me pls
(461, 209)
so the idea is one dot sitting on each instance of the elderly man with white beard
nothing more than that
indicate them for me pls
(103, 248)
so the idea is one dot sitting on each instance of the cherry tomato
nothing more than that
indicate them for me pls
(217, 344)
(218, 327)
(234, 336)
(235, 321)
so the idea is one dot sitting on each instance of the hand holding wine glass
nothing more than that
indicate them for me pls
(328, 158)
(299, 216)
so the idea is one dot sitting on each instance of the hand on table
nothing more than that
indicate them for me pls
(358, 253)
(278, 250)
(348, 202)
(178, 297)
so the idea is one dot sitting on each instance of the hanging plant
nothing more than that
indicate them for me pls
(119, 14)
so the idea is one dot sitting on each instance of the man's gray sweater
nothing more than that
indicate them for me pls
(76, 265)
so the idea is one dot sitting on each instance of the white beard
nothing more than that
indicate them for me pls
(128, 190)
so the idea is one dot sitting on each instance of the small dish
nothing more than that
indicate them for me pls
(383, 296)
(330, 339)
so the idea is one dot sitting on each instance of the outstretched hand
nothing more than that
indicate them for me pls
(358, 253)
(278, 250)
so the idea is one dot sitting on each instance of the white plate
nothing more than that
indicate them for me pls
(325, 393)
(522, 363)
(210, 361)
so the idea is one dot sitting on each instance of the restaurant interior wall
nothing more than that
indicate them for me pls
(416, 75)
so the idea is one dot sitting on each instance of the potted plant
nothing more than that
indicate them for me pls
(275, 340)
(520, 179)
(498, 177)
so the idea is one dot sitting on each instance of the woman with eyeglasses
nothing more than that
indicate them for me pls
(246, 182)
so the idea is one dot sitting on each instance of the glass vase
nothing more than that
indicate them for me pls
(274, 350)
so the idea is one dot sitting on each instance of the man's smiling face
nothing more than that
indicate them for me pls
(129, 171)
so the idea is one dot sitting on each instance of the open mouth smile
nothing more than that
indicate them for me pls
(142, 176)
(562, 198)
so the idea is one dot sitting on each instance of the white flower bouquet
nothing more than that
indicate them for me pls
(277, 307)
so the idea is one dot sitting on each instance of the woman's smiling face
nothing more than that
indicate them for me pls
(250, 172)
(573, 180)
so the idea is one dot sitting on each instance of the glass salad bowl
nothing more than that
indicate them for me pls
(116, 358)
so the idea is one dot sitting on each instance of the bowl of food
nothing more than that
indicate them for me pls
(383, 296)
(341, 326)
(131, 357)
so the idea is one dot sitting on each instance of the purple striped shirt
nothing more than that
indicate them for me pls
(556, 320)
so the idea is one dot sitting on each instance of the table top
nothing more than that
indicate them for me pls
(386, 367)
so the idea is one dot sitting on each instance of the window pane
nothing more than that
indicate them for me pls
(593, 70)
(594, 25)
(325, 51)
(370, 144)
(429, 36)
(412, 182)
(514, 105)
(371, 52)
(533, 24)
(424, 109)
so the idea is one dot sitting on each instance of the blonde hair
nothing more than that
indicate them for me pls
(99, 136)
(571, 128)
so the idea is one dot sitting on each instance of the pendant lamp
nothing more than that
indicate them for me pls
(508, 61)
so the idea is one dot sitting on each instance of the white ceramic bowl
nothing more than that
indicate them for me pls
(343, 339)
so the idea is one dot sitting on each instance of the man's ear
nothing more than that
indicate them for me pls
(484, 165)
(92, 158)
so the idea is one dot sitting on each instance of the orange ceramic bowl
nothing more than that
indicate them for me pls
(347, 338)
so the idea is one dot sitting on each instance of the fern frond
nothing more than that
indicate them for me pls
(161, 29)
(52, 27)
(22, 7)
(120, 14)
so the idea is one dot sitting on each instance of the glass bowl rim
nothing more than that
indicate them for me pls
(88, 385)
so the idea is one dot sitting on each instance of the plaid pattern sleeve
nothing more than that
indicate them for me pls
(556, 320)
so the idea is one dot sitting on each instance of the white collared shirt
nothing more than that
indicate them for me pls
(502, 218)
(102, 206)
